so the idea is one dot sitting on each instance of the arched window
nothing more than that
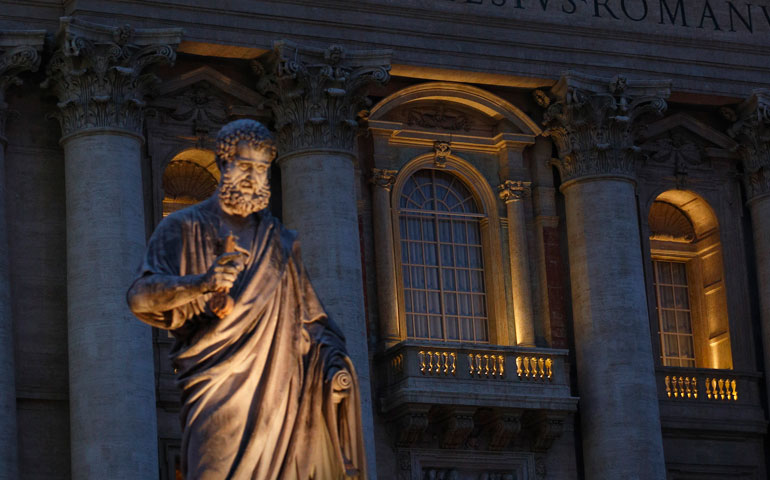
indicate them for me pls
(688, 280)
(442, 263)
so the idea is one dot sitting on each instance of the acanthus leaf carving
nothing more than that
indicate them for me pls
(315, 94)
(97, 73)
(19, 53)
(594, 122)
(752, 131)
(383, 178)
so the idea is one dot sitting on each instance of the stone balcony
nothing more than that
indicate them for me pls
(721, 402)
(476, 393)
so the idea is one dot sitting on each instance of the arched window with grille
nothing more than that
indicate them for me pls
(442, 262)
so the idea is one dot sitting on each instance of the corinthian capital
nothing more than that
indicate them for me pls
(97, 73)
(316, 94)
(594, 122)
(19, 52)
(752, 131)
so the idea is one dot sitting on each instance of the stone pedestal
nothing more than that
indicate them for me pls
(97, 76)
(752, 130)
(513, 194)
(591, 120)
(18, 53)
(315, 95)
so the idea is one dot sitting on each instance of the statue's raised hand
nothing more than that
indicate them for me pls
(222, 274)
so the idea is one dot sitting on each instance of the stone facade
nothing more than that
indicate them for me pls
(604, 145)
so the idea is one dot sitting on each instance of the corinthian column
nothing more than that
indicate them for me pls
(97, 73)
(315, 96)
(513, 194)
(752, 130)
(592, 122)
(18, 53)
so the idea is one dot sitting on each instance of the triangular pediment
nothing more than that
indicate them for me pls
(691, 128)
(177, 85)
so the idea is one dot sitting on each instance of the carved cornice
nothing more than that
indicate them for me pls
(595, 121)
(19, 52)
(752, 131)
(383, 178)
(316, 94)
(513, 190)
(97, 73)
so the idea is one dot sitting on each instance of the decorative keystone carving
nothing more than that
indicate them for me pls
(411, 426)
(594, 122)
(545, 427)
(19, 52)
(316, 94)
(441, 151)
(383, 178)
(513, 190)
(501, 426)
(97, 73)
(752, 131)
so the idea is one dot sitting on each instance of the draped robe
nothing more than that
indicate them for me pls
(255, 384)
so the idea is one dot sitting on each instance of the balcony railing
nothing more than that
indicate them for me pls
(429, 383)
(710, 399)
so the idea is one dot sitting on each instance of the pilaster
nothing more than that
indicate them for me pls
(513, 193)
(19, 53)
(315, 95)
(382, 183)
(98, 75)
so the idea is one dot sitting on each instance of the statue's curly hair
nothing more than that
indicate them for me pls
(244, 130)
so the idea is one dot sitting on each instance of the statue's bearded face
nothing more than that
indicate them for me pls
(244, 188)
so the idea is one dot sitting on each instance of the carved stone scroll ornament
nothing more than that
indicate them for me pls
(513, 190)
(594, 122)
(97, 73)
(316, 94)
(16, 58)
(752, 131)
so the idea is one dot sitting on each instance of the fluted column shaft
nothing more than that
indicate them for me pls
(591, 122)
(752, 131)
(97, 76)
(513, 194)
(315, 95)
(18, 53)
(382, 181)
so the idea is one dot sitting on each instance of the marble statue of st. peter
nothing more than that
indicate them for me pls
(268, 391)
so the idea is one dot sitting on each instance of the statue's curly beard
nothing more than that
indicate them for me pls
(235, 201)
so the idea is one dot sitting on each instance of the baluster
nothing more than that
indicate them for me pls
(501, 359)
(721, 389)
(533, 370)
(687, 387)
(708, 388)
(541, 367)
(421, 356)
(735, 390)
(518, 367)
(446, 364)
(485, 362)
(493, 359)
(454, 362)
(694, 387)
(667, 381)
(549, 368)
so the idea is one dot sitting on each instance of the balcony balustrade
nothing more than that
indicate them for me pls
(464, 388)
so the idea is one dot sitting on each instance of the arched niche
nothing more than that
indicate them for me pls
(189, 177)
(686, 253)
